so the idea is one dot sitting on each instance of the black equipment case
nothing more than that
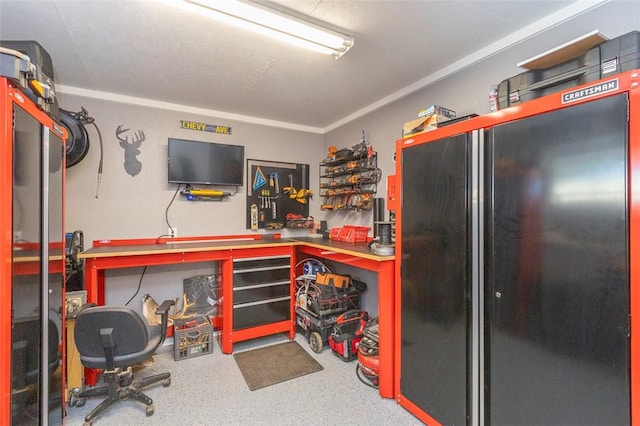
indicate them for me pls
(608, 58)
(308, 324)
(42, 72)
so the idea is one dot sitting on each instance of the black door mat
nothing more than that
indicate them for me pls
(267, 366)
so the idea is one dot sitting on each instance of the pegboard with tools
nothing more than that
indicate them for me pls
(276, 191)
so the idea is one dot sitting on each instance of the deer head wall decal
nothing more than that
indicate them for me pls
(131, 164)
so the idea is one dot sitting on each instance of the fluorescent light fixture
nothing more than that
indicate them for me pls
(275, 24)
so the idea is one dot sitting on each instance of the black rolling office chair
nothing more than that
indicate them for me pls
(113, 339)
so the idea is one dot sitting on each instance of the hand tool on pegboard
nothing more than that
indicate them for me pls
(259, 180)
(303, 194)
(290, 190)
(254, 217)
(304, 175)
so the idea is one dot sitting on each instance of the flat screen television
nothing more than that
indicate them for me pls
(205, 163)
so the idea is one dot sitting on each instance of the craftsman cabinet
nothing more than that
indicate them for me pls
(32, 253)
(517, 290)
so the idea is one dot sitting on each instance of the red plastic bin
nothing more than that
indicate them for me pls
(350, 234)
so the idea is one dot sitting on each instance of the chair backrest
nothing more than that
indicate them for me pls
(130, 332)
(26, 350)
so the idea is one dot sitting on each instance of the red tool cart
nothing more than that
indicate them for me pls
(517, 290)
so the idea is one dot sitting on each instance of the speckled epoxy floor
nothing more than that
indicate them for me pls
(210, 390)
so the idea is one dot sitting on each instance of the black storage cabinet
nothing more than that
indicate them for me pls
(515, 275)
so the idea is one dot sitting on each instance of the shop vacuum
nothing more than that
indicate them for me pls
(368, 368)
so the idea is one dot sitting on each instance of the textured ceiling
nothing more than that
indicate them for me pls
(156, 51)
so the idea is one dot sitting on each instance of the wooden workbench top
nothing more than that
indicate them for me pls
(353, 249)
(180, 247)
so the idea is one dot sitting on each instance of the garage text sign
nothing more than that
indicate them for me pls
(203, 127)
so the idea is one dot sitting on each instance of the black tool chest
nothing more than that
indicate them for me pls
(606, 59)
(261, 290)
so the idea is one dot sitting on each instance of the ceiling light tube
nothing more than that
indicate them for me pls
(276, 24)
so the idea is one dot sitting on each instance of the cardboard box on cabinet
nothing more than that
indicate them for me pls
(428, 119)
(436, 110)
(421, 125)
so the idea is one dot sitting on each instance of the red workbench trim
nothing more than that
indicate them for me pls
(416, 411)
(634, 244)
(6, 247)
(165, 240)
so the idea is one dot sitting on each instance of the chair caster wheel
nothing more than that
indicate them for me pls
(150, 410)
(74, 398)
(166, 383)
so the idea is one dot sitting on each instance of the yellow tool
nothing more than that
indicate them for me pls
(290, 189)
(254, 217)
(303, 195)
(207, 192)
(300, 195)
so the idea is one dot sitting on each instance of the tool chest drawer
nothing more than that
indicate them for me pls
(261, 263)
(261, 290)
(253, 314)
(250, 277)
(262, 270)
(258, 292)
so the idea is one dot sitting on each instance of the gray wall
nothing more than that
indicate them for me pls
(134, 207)
(467, 91)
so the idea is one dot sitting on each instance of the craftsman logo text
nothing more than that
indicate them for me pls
(587, 92)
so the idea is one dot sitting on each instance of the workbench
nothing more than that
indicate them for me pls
(116, 254)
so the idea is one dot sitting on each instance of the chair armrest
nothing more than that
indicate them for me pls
(163, 311)
(164, 308)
